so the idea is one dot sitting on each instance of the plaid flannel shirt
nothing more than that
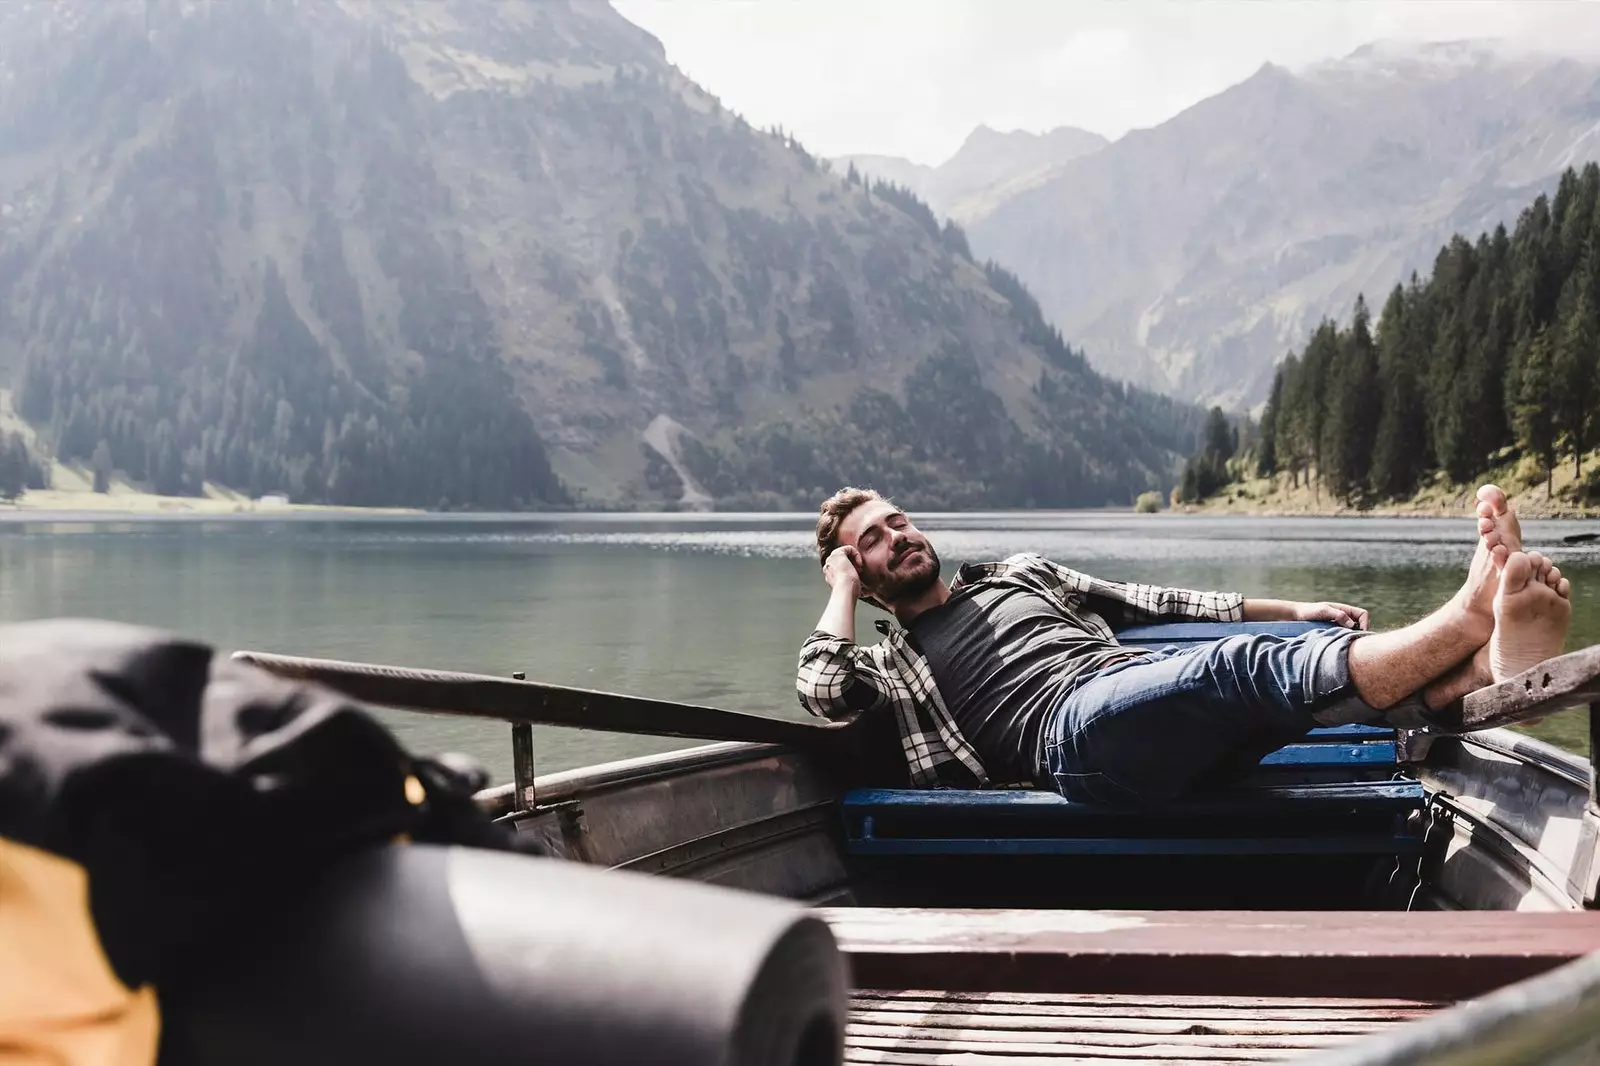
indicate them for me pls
(839, 678)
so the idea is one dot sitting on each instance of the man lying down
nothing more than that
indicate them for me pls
(1010, 674)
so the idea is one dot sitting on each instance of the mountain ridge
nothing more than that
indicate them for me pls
(988, 166)
(498, 255)
(1202, 248)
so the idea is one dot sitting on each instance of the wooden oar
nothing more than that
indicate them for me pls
(503, 699)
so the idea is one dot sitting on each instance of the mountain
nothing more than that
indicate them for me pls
(470, 253)
(1191, 256)
(989, 167)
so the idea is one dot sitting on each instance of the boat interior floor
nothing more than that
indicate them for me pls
(987, 987)
(930, 1027)
(1421, 955)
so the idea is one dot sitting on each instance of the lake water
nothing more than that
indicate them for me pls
(701, 608)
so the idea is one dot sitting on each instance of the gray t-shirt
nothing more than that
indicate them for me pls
(1003, 657)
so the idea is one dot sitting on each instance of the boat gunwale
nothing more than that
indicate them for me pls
(1532, 1020)
(1569, 765)
(564, 785)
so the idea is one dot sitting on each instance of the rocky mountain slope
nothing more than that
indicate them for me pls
(1190, 256)
(470, 253)
(989, 168)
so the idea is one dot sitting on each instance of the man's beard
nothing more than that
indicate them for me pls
(911, 577)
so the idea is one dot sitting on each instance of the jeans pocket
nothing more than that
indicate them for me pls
(1094, 787)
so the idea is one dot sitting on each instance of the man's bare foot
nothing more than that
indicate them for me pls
(1497, 524)
(1483, 573)
(1499, 534)
(1530, 619)
(1548, 572)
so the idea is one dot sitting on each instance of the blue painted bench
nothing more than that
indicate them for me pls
(1336, 792)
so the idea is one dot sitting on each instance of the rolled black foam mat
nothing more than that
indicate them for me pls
(439, 956)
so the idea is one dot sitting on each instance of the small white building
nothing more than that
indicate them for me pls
(272, 502)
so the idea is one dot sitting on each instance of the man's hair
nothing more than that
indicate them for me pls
(835, 509)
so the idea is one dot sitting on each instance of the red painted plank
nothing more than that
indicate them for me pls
(1444, 955)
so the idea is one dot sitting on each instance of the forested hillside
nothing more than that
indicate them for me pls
(1496, 354)
(498, 255)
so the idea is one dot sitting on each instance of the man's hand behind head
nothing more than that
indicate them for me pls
(842, 570)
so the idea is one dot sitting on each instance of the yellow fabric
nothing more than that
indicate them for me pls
(60, 1002)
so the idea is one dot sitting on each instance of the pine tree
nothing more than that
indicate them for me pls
(1532, 409)
(1573, 372)
(1398, 457)
(1350, 428)
(1285, 437)
(1309, 402)
(14, 467)
(1534, 283)
(1267, 452)
(1219, 436)
(1447, 383)
(102, 467)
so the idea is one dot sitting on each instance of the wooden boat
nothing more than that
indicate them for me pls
(1362, 897)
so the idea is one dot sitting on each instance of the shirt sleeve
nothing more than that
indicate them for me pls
(1124, 603)
(837, 677)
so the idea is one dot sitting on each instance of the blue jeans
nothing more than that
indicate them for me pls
(1151, 729)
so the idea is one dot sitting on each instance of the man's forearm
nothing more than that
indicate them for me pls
(839, 618)
(1270, 611)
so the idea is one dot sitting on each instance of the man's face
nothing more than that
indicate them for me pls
(897, 562)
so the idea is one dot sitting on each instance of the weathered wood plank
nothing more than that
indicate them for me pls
(1449, 954)
(933, 1021)
(925, 1027)
(1159, 1051)
(1060, 1013)
(1005, 1058)
(1570, 680)
(1123, 1000)
(1111, 1038)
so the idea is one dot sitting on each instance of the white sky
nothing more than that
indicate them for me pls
(913, 77)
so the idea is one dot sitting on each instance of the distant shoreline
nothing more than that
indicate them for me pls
(123, 503)
(1219, 509)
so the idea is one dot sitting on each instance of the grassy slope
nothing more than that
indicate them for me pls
(1522, 480)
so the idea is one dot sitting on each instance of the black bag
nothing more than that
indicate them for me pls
(193, 789)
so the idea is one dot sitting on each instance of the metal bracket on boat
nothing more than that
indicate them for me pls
(525, 797)
(1412, 745)
(1593, 813)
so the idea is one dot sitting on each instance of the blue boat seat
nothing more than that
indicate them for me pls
(1355, 818)
(1336, 792)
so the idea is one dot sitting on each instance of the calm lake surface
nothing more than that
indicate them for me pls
(707, 609)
